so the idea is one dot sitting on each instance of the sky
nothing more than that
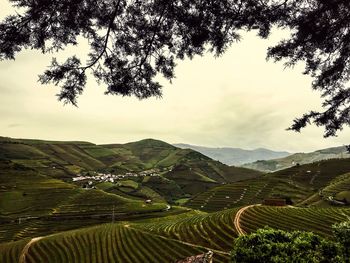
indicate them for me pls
(236, 100)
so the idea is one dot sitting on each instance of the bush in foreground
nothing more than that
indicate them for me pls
(277, 246)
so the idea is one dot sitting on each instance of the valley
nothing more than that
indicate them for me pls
(149, 201)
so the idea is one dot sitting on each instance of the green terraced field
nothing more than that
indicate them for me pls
(10, 252)
(297, 183)
(106, 243)
(338, 185)
(215, 230)
(317, 220)
(12, 231)
(315, 175)
(170, 238)
(245, 193)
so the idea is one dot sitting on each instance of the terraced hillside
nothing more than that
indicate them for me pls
(63, 160)
(170, 238)
(10, 252)
(106, 243)
(215, 230)
(317, 220)
(339, 188)
(336, 192)
(27, 197)
(296, 184)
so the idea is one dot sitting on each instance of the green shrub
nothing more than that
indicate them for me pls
(342, 234)
(277, 246)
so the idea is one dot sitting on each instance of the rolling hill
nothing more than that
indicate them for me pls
(64, 160)
(235, 156)
(298, 158)
(111, 221)
(37, 188)
(296, 184)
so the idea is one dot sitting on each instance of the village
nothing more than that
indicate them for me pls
(101, 177)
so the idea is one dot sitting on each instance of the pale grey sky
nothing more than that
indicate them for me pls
(237, 100)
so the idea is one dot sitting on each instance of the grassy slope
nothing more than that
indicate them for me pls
(62, 160)
(25, 193)
(297, 183)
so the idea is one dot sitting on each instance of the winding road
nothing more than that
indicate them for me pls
(22, 258)
(237, 219)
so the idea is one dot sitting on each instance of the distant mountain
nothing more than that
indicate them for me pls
(235, 156)
(298, 158)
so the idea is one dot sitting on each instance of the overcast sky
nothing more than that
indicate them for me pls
(237, 100)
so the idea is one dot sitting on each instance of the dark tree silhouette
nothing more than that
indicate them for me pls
(131, 41)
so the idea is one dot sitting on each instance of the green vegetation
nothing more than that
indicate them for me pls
(39, 198)
(339, 187)
(277, 246)
(342, 234)
(215, 231)
(175, 236)
(63, 160)
(316, 220)
(109, 243)
(10, 252)
(297, 184)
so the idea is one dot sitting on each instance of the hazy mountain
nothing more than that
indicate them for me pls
(235, 156)
(298, 158)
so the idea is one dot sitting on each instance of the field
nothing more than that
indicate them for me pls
(317, 220)
(170, 238)
(106, 243)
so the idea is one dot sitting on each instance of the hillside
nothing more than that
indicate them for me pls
(120, 202)
(177, 167)
(298, 158)
(41, 182)
(296, 184)
(168, 239)
(235, 156)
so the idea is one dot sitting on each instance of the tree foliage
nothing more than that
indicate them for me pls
(342, 234)
(278, 246)
(133, 41)
(321, 38)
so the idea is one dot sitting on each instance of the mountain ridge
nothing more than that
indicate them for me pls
(235, 156)
(298, 158)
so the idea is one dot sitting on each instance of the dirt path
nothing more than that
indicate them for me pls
(237, 219)
(22, 258)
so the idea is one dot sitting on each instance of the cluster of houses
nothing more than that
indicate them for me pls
(109, 177)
